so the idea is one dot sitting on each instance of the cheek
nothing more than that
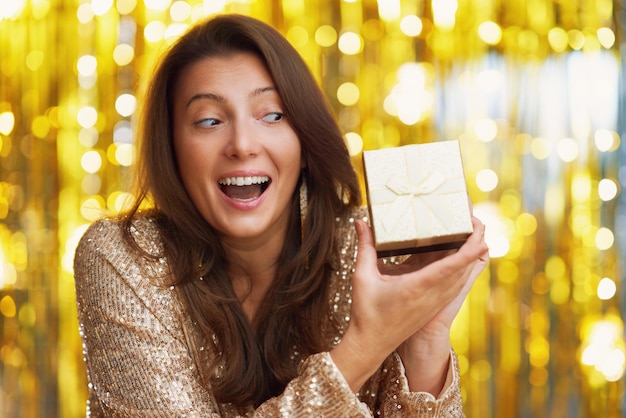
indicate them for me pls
(194, 167)
(187, 149)
(193, 163)
(295, 152)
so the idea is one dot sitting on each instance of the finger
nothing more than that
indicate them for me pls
(473, 250)
(366, 252)
(414, 262)
(423, 259)
(484, 256)
(475, 245)
(461, 262)
(478, 256)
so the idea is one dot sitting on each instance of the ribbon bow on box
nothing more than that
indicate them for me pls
(419, 189)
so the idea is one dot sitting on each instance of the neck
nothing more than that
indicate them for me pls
(252, 270)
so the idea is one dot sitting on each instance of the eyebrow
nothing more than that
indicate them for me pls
(261, 90)
(208, 96)
(221, 99)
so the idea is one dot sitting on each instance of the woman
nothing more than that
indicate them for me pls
(250, 287)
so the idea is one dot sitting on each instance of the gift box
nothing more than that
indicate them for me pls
(417, 197)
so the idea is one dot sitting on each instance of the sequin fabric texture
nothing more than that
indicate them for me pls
(142, 351)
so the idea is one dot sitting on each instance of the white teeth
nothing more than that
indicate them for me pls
(243, 181)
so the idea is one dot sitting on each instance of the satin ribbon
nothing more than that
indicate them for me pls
(420, 190)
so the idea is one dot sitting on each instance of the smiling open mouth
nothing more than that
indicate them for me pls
(244, 188)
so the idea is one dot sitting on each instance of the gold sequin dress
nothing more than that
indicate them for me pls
(142, 352)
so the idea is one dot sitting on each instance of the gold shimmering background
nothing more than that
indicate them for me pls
(533, 89)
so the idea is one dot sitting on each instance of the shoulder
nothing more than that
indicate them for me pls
(108, 235)
(122, 280)
(107, 242)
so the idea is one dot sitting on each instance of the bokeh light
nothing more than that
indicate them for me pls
(567, 149)
(604, 140)
(348, 94)
(12, 9)
(326, 36)
(350, 43)
(157, 5)
(606, 36)
(87, 116)
(101, 7)
(606, 289)
(444, 13)
(603, 348)
(87, 65)
(7, 123)
(607, 189)
(154, 31)
(411, 25)
(125, 104)
(123, 54)
(354, 143)
(490, 32)
(486, 180)
(125, 7)
(604, 239)
(91, 161)
(486, 130)
(180, 11)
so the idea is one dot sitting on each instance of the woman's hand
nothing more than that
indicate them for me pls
(412, 308)
(425, 354)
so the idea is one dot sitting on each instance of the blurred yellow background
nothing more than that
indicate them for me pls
(533, 89)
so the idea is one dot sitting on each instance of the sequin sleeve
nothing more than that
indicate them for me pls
(137, 361)
(387, 393)
(319, 391)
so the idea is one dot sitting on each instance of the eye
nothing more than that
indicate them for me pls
(273, 117)
(207, 122)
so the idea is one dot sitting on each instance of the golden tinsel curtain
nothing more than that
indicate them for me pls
(533, 89)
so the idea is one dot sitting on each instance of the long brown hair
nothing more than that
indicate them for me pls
(254, 362)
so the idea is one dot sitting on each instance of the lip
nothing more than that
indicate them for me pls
(249, 176)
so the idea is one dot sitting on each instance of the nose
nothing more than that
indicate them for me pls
(243, 142)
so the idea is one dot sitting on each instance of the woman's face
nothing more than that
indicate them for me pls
(238, 156)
